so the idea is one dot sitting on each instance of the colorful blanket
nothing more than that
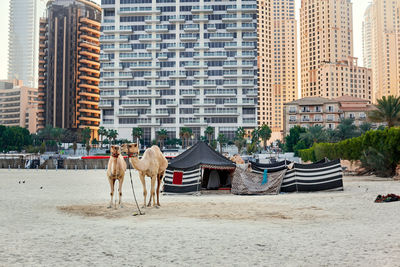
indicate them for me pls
(387, 198)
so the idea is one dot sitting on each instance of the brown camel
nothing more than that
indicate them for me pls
(116, 171)
(153, 164)
(237, 159)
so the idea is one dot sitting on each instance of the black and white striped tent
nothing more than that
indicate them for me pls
(313, 177)
(185, 172)
(320, 176)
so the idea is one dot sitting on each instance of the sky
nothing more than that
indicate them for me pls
(359, 7)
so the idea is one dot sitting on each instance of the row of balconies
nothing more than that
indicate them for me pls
(293, 111)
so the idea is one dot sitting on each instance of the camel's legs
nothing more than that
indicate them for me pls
(153, 189)
(111, 181)
(121, 180)
(142, 179)
(159, 179)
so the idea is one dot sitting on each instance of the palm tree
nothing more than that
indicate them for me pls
(112, 134)
(387, 110)
(346, 129)
(365, 127)
(209, 132)
(221, 140)
(240, 141)
(102, 132)
(314, 134)
(137, 133)
(162, 135)
(264, 132)
(185, 134)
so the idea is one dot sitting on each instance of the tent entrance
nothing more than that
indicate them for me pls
(214, 179)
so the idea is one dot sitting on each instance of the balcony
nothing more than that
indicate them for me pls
(200, 18)
(177, 19)
(292, 111)
(216, 93)
(198, 9)
(124, 113)
(137, 11)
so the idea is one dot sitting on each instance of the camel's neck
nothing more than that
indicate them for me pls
(114, 165)
(138, 164)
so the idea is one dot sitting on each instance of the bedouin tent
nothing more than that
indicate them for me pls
(320, 176)
(191, 170)
(314, 177)
(256, 182)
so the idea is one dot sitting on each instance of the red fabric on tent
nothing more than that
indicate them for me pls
(177, 178)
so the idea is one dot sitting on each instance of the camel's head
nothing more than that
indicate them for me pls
(132, 149)
(115, 151)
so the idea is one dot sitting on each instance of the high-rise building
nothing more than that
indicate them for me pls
(69, 72)
(278, 66)
(367, 37)
(23, 42)
(382, 46)
(18, 105)
(328, 68)
(172, 64)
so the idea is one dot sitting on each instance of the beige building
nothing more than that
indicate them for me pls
(367, 38)
(328, 68)
(278, 62)
(18, 105)
(383, 35)
(311, 111)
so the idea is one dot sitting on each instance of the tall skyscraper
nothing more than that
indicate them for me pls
(278, 61)
(23, 42)
(69, 71)
(328, 67)
(367, 37)
(383, 38)
(171, 64)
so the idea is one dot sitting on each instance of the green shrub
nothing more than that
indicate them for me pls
(379, 151)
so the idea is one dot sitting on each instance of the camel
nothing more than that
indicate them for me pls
(237, 159)
(116, 171)
(153, 164)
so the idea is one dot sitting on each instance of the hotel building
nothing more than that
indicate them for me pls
(382, 46)
(328, 68)
(18, 105)
(69, 67)
(277, 49)
(167, 64)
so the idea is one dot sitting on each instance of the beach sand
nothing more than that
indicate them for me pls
(66, 223)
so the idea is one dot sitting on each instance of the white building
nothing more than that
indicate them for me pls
(168, 64)
(23, 42)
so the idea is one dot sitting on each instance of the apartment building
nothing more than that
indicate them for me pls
(18, 105)
(168, 64)
(277, 46)
(328, 67)
(367, 37)
(383, 37)
(69, 66)
(311, 111)
(23, 41)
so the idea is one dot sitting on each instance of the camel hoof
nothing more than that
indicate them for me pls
(143, 207)
(157, 206)
(109, 207)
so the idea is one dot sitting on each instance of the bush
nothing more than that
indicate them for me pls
(379, 151)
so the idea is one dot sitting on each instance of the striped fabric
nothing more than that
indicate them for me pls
(314, 177)
(274, 167)
(191, 181)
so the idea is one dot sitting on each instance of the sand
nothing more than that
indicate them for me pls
(66, 223)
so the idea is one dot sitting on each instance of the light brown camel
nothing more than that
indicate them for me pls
(116, 171)
(237, 159)
(153, 164)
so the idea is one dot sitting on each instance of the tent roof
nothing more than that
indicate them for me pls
(201, 154)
